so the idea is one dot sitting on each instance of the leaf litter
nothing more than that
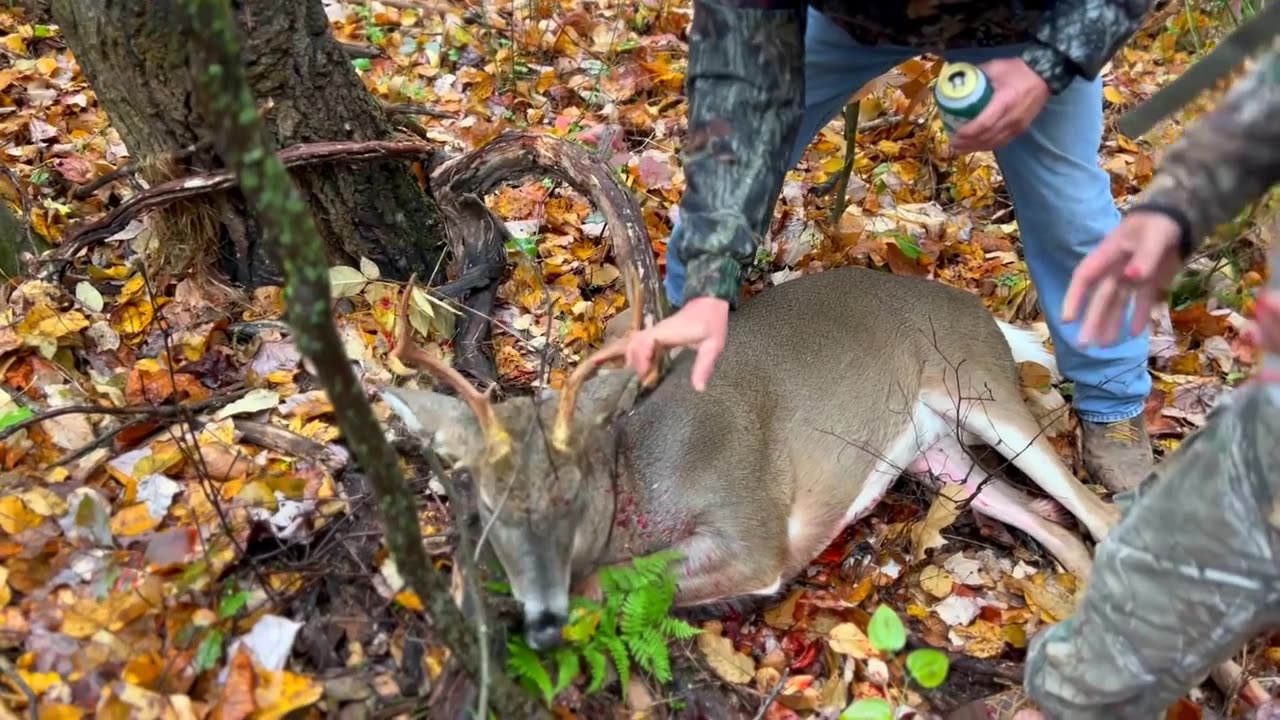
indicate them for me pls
(123, 582)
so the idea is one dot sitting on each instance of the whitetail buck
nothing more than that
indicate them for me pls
(829, 387)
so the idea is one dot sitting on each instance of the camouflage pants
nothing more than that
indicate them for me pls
(1189, 575)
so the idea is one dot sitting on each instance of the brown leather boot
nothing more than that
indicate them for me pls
(1117, 454)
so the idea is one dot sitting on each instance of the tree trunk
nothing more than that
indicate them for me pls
(307, 92)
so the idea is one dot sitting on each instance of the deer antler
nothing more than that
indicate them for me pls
(409, 353)
(561, 431)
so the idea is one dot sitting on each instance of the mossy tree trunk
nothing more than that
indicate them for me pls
(305, 89)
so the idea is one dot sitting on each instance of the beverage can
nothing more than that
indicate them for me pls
(962, 92)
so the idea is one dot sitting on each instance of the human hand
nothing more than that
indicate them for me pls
(1264, 332)
(1135, 261)
(1018, 95)
(702, 324)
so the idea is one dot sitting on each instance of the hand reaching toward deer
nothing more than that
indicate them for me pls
(702, 324)
(1135, 262)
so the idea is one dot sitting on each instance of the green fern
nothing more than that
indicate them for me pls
(633, 625)
(525, 666)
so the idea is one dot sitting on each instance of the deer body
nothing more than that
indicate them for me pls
(829, 387)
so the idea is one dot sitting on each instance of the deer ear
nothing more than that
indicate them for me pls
(444, 421)
(607, 394)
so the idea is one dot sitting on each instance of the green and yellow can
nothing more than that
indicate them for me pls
(962, 92)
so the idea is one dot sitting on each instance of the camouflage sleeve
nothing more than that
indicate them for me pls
(1225, 161)
(1191, 573)
(746, 91)
(1076, 38)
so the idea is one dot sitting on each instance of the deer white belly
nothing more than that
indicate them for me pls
(814, 522)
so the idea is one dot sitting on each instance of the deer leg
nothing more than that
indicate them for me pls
(948, 461)
(1012, 431)
(717, 568)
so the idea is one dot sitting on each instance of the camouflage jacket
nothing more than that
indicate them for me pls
(1226, 160)
(745, 83)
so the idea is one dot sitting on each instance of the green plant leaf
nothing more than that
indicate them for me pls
(15, 416)
(886, 632)
(232, 603)
(928, 666)
(868, 709)
(209, 652)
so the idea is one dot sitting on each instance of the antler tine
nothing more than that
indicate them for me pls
(563, 428)
(410, 354)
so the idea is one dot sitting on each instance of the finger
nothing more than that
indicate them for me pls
(640, 352)
(973, 133)
(1103, 296)
(1086, 276)
(705, 363)
(1146, 299)
(1113, 317)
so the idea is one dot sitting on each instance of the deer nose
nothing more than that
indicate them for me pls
(542, 631)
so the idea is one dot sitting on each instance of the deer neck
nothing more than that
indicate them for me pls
(640, 521)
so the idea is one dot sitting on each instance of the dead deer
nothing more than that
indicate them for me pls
(829, 387)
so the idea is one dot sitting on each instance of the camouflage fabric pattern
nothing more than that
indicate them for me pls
(1226, 160)
(745, 82)
(1189, 575)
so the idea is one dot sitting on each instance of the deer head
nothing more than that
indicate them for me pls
(542, 469)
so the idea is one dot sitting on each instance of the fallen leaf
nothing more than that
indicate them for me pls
(848, 639)
(927, 534)
(731, 665)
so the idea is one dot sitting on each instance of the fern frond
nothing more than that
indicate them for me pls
(567, 669)
(679, 629)
(525, 665)
(598, 664)
(621, 661)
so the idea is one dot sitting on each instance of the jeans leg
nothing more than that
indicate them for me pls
(835, 67)
(1064, 207)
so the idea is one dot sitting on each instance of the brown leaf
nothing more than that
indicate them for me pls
(728, 663)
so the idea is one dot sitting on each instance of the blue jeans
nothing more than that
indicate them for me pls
(1061, 195)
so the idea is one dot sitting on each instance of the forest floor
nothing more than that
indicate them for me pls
(138, 554)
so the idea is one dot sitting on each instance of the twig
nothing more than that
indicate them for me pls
(881, 122)
(25, 204)
(412, 109)
(11, 672)
(851, 114)
(773, 695)
(357, 50)
(130, 168)
(154, 410)
(466, 554)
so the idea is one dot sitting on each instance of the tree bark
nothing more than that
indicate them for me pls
(222, 92)
(306, 91)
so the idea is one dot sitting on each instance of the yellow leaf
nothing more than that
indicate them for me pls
(936, 581)
(15, 44)
(5, 593)
(409, 599)
(60, 711)
(848, 639)
(728, 663)
(982, 639)
(44, 502)
(280, 693)
(40, 682)
(15, 516)
(927, 534)
(43, 322)
(1112, 95)
(134, 520)
(133, 288)
(133, 318)
(47, 65)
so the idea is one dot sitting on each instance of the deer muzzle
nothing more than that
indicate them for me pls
(537, 566)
